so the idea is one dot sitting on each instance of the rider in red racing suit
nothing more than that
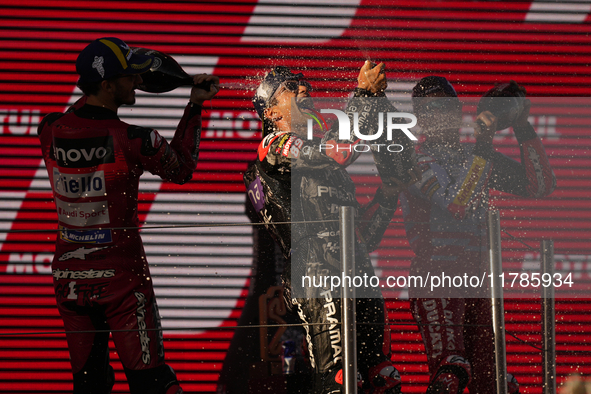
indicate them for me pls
(293, 181)
(101, 276)
(445, 215)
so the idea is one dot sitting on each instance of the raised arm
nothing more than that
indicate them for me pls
(533, 176)
(176, 161)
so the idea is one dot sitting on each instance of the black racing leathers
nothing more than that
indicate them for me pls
(297, 187)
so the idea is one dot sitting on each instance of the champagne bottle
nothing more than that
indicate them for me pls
(165, 74)
(505, 101)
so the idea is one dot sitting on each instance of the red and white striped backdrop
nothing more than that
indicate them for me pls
(201, 274)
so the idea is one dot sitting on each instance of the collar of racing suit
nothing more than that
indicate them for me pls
(88, 111)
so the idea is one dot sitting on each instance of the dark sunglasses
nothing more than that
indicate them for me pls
(291, 86)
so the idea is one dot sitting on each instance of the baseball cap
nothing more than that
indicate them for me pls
(273, 79)
(433, 84)
(108, 57)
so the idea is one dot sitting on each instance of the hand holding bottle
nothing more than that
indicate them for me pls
(198, 94)
(486, 127)
(372, 77)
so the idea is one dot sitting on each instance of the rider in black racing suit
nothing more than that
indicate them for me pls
(293, 180)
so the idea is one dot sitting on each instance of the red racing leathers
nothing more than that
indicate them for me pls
(101, 276)
(445, 215)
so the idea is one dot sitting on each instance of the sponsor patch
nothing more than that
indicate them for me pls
(428, 184)
(255, 194)
(265, 144)
(328, 233)
(287, 146)
(86, 236)
(83, 152)
(151, 140)
(79, 253)
(141, 322)
(97, 64)
(295, 147)
(82, 214)
(83, 293)
(433, 190)
(79, 185)
(334, 329)
(470, 182)
(285, 139)
(88, 274)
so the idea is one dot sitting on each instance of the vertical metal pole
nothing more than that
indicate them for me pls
(548, 328)
(498, 309)
(347, 227)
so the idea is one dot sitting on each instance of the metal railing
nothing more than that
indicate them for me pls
(496, 294)
(347, 225)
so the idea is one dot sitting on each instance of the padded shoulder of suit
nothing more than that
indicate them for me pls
(151, 140)
(49, 119)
